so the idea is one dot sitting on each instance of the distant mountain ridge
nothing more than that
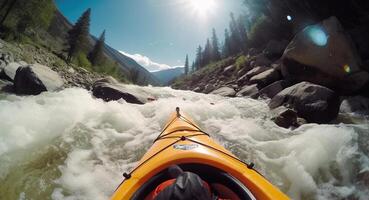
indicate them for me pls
(138, 74)
(168, 75)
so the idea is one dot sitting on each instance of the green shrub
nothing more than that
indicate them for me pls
(82, 61)
(241, 62)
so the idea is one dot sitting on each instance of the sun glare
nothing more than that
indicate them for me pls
(203, 6)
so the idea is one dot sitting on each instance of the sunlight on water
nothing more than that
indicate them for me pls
(68, 145)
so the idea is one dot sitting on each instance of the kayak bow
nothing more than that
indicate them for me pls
(184, 144)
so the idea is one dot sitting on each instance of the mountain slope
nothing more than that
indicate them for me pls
(168, 75)
(135, 72)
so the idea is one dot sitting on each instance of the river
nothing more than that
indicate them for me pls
(68, 145)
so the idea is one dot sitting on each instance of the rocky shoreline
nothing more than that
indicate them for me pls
(304, 80)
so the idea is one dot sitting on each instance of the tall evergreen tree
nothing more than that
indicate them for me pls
(193, 67)
(78, 35)
(207, 53)
(235, 36)
(96, 56)
(186, 66)
(226, 51)
(241, 26)
(215, 55)
(199, 58)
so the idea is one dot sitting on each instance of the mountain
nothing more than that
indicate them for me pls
(168, 75)
(135, 72)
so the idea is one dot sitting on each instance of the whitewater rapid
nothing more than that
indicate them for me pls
(68, 145)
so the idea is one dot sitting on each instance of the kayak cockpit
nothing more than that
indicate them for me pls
(221, 183)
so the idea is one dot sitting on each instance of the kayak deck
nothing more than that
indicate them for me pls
(183, 143)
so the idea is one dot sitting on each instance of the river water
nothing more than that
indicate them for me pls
(68, 145)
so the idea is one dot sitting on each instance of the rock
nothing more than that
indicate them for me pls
(260, 60)
(253, 52)
(2, 65)
(271, 90)
(6, 86)
(265, 78)
(284, 117)
(357, 104)
(224, 91)
(312, 102)
(208, 88)
(197, 89)
(242, 80)
(324, 54)
(109, 89)
(256, 70)
(9, 71)
(228, 71)
(275, 48)
(249, 90)
(36, 78)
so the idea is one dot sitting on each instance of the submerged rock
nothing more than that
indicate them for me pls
(324, 54)
(109, 89)
(312, 102)
(284, 117)
(36, 78)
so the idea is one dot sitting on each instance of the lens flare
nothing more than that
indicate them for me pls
(289, 17)
(347, 68)
(317, 35)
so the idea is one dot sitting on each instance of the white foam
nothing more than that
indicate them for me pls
(103, 140)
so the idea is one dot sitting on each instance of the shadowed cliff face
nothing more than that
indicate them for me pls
(77, 147)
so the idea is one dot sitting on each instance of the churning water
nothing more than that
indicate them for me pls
(68, 145)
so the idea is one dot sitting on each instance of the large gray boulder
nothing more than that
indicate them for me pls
(36, 78)
(357, 104)
(273, 89)
(224, 91)
(312, 102)
(249, 90)
(109, 89)
(8, 72)
(256, 70)
(324, 54)
(265, 78)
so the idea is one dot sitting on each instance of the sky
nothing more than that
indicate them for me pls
(156, 33)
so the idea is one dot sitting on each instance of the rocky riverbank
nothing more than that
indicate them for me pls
(306, 79)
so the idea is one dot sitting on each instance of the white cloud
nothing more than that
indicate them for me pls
(146, 62)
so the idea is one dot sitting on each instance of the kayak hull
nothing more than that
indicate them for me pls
(181, 143)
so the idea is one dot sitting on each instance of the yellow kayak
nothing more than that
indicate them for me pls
(183, 143)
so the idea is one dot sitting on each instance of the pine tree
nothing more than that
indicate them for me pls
(215, 55)
(199, 58)
(226, 51)
(235, 36)
(96, 56)
(193, 67)
(241, 26)
(207, 53)
(78, 35)
(186, 66)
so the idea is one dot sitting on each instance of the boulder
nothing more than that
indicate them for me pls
(275, 48)
(36, 78)
(242, 80)
(271, 90)
(260, 60)
(6, 86)
(284, 117)
(9, 71)
(357, 104)
(228, 71)
(256, 70)
(324, 54)
(208, 88)
(253, 52)
(312, 102)
(224, 91)
(248, 90)
(265, 78)
(109, 89)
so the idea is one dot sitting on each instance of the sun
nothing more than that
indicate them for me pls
(203, 6)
